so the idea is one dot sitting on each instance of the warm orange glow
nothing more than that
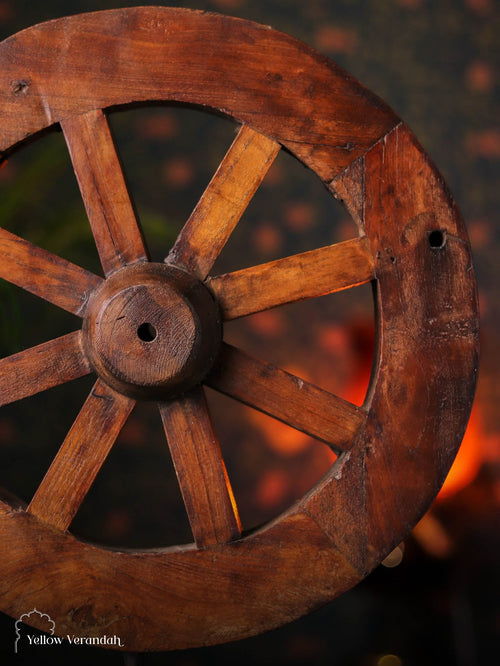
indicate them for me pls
(355, 391)
(433, 537)
(272, 488)
(468, 460)
(288, 442)
(281, 438)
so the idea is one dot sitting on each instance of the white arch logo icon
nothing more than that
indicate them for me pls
(27, 615)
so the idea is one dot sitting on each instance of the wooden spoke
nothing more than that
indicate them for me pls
(287, 398)
(200, 470)
(45, 274)
(100, 177)
(39, 368)
(147, 330)
(223, 202)
(315, 273)
(81, 455)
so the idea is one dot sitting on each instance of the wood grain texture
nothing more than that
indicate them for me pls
(81, 456)
(426, 357)
(77, 64)
(338, 505)
(428, 308)
(152, 331)
(306, 275)
(349, 188)
(200, 470)
(286, 397)
(223, 202)
(45, 274)
(394, 452)
(184, 595)
(97, 167)
(42, 367)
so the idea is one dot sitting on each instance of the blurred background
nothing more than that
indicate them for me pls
(435, 599)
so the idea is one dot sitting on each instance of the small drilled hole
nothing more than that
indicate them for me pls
(437, 238)
(147, 332)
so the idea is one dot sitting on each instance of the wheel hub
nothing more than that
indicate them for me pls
(152, 331)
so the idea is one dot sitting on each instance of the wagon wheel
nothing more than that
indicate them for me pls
(153, 331)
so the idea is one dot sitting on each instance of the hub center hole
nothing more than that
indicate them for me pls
(147, 332)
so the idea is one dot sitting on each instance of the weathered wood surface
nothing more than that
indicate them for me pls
(286, 397)
(306, 275)
(429, 313)
(223, 202)
(42, 367)
(427, 343)
(175, 597)
(393, 452)
(201, 472)
(109, 208)
(81, 456)
(69, 66)
(45, 274)
(152, 331)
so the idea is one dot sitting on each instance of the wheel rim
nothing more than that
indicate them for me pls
(412, 245)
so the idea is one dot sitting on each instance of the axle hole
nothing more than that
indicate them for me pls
(437, 238)
(147, 332)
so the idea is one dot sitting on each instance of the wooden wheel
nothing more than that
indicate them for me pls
(153, 331)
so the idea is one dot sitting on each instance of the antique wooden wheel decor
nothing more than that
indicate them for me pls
(154, 331)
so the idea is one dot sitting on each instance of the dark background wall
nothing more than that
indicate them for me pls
(436, 64)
